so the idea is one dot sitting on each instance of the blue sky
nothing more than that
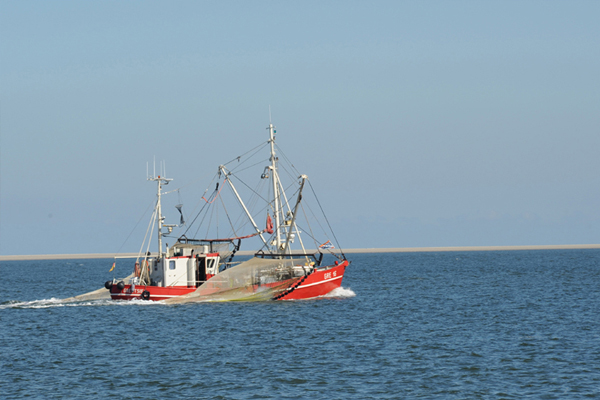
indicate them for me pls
(426, 123)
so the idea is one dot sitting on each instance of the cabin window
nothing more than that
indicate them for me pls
(172, 264)
(211, 263)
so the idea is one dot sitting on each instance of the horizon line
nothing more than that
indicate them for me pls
(33, 257)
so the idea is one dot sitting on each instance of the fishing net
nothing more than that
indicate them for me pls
(99, 294)
(254, 280)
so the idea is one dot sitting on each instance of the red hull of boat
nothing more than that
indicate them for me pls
(319, 283)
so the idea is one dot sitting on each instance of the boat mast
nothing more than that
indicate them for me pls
(293, 221)
(160, 181)
(275, 179)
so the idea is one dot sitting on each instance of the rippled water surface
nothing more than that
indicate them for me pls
(473, 325)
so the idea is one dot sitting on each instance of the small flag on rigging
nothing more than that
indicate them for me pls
(327, 245)
(113, 267)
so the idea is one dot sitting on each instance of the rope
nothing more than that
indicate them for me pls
(250, 166)
(195, 218)
(188, 184)
(151, 224)
(287, 159)
(325, 216)
(135, 227)
(245, 184)
(227, 214)
(249, 151)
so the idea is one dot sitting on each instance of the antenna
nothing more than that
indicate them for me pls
(270, 114)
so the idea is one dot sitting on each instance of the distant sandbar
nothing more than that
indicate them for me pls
(365, 250)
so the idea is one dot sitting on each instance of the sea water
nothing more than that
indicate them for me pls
(452, 325)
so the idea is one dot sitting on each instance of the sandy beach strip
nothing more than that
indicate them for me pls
(474, 248)
(347, 251)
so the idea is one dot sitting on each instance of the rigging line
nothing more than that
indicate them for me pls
(249, 151)
(292, 176)
(217, 220)
(242, 219)
(317, 245)
(314, 216)
(197, 215)
(292, 195)
(151, 224)
(323, 230)
(298, 229)
(148, 247)
(135, 227)
(252, 190)
(253, 199)
(286, 203)
(195, 218)
(318, 220)
(280, 150)
(154, 216)
(201, 222)
(229, 219)
(250, 166)
(246, 160)
(289, 174)
(328, 224)
(188, 184)
(212, 213)
(254, 202)
(312, 234)
(251, 206)
(301, 229)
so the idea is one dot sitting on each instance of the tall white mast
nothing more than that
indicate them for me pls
(293, 221)
(276, 197)
(160, 181)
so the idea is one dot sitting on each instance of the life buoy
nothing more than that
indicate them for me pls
(145, 295)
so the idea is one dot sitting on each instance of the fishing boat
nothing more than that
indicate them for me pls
(283, 266)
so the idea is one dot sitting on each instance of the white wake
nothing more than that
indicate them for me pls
(51, 303)
(341, 292)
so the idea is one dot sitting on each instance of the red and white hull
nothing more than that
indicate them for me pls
(318, 283)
